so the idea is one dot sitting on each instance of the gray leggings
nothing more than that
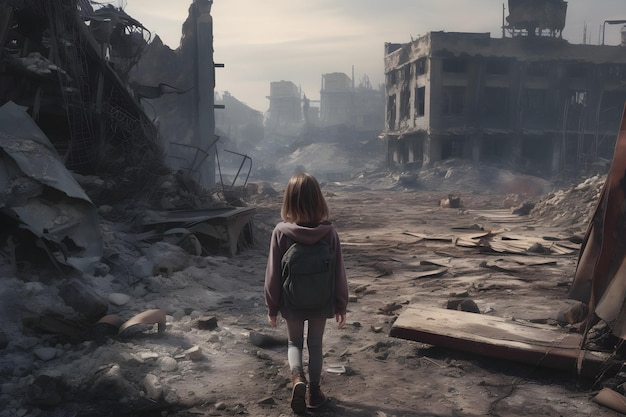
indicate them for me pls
(314, 337)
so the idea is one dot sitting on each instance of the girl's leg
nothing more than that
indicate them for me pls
(314, 343)
(295, 331)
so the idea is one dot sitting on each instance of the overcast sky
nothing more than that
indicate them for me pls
(260, 41)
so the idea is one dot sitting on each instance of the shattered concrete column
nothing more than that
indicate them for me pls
(432, 150)
(475, 144)
(204, 83)
(556, 155)
(6, 14)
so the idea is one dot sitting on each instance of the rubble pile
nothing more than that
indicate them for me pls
(573, 206)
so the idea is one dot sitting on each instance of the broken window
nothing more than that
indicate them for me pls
(495, 149)
(420, 96)
(497, 66)
(538, 69)
(611, 107)
(420, 66)
(452, 147)
(578, 98)
(496, 102)
(536, 105)
(577, 71)
(392, 78)
(405, 103)
(612, 72)
(391, 112)
(406, 73)
(453, 100)
(455, 65)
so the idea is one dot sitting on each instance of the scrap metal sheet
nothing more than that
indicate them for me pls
(600, 278)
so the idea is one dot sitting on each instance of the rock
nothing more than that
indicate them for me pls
(17, 365)
(111, 384)
(46, 391)
(83, 299)
(267, 401)
(167, 364)
(118, 299)
(45, 353)
(194, 353)
(207, 323)
(464, 304)
(524, 209)
(152, 386)
(266, 341)
(142, 268)
(101, 270)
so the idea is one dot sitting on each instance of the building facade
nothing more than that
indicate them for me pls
(285, 105)
(342, 102)
(535, 103)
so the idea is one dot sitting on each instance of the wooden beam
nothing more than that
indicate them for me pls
(519, 341)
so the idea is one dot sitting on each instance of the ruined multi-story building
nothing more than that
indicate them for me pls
(343, 103)
(529, 100)
(285, 105)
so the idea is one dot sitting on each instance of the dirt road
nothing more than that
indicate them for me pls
(391, 377)
(390, 235)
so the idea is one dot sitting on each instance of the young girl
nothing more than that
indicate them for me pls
(305, 219)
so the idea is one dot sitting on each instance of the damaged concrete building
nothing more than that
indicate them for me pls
(341, 102)
(530, 100)
(285, 105)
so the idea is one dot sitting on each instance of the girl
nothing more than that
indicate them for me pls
(305, 219)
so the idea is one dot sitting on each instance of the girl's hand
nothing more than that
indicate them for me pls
(272, 320)
(341, 320)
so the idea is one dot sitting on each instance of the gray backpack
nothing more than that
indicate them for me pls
(308, 273)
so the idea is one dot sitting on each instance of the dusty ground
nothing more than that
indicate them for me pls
(384, 376)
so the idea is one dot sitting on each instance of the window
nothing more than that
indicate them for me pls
(453, 100)
(420, 96)
(455, 65)
(420, 66)
(391, 112)
(538, 69)
(496, 102)
(405, 103)
(497, 66)
(536, 101)
(578, 98)
(577, 71)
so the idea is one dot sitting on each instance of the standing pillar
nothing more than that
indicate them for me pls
(432, 150)
(204, 87)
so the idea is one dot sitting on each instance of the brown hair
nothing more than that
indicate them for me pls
(303, 202)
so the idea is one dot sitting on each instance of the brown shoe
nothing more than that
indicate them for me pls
(298, 392)
(315, 398)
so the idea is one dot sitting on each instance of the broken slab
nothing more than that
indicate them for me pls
(223, 229)
(38, 194)
(497, 337)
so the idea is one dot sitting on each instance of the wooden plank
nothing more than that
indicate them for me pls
(530, 343)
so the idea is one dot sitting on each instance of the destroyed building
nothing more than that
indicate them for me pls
(68, 64)
(285, 105)
(75, 136)
(530, 100)
(341, 102)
